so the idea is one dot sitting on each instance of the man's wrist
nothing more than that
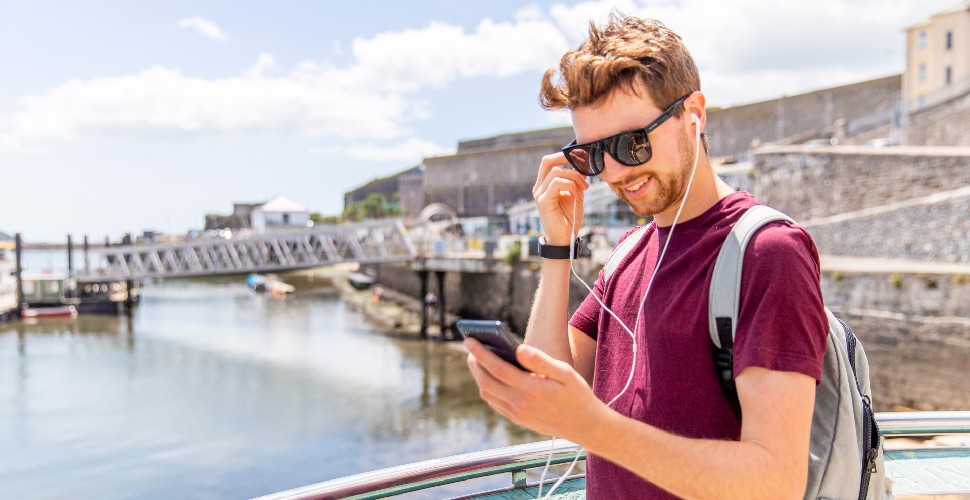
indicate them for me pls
(570, 250)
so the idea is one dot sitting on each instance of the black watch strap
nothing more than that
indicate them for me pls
(547, 251)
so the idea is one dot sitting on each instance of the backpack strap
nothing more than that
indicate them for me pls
(725, 292)
(621, 251)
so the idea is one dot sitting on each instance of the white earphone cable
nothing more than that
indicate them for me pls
(636, 324)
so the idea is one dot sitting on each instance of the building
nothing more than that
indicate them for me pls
(389, 187)
(279, 213)
(938, 58)
(486, 176)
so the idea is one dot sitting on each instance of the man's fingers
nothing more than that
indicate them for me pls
(501, 370)
(541, 363)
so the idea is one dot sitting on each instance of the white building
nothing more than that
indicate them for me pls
(279, 213)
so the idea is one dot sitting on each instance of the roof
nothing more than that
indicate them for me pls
(5, 237)
(961, 6)
(282, 203)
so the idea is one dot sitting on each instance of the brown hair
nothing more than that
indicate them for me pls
(624, 52)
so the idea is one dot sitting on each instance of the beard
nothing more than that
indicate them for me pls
(669, 187)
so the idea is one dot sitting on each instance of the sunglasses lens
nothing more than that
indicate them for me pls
(633, 148)
(580, 159)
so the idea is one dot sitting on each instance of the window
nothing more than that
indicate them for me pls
(286, 217)
(922, 39)
(922, 72)
(949, 40)
(949, 75)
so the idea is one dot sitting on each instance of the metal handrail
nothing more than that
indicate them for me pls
(923, 423)
(517, 459)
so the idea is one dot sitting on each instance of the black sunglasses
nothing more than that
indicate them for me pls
(630, 148)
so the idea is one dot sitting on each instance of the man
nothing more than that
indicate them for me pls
(672, 432)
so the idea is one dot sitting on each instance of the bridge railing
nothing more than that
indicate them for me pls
(366, 242)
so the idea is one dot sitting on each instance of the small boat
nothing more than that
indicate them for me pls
(932, 461)
(360, 281)
(49, 312)
(269, 283)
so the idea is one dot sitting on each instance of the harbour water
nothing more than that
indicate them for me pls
(213, 391)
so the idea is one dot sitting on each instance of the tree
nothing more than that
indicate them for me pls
(375, 206)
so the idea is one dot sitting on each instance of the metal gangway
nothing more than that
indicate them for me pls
(368, 242)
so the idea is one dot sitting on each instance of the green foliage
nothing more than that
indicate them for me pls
(838, 276)
(317, 218)
(897, 280)
(375, 206)
(514, 253)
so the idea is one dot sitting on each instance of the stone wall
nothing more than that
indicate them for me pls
(505, 294)
(910, 296)
(811, 182)
(730, 131)
(915, 364)
(928, 231)
(946, 124)
(479, 180)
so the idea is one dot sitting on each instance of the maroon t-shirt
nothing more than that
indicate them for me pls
(781, 326)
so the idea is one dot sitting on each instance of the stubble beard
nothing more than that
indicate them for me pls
(670, 187)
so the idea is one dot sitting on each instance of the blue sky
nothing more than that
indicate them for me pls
(123, 116)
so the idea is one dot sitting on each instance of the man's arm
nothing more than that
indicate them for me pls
(556, 191)
(769, 461)
(548, 320)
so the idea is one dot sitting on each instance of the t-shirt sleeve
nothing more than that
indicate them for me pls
(587, 315)
(781, 321)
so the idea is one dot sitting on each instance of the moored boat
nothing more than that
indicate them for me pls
(49, 312)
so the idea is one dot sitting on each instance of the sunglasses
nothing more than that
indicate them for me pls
(630, 148)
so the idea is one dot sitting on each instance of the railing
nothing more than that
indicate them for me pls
(517, 459)
(431, 473)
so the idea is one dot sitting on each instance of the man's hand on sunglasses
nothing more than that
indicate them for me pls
(558, 187)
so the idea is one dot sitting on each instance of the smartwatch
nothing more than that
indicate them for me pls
(547, 251)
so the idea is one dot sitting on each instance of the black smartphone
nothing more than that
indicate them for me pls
(494, 335)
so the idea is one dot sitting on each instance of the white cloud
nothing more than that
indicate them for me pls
(371, 98)
(752, 52)
(205, 28)
(412, 150)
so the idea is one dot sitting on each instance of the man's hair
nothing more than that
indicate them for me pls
(623, 53)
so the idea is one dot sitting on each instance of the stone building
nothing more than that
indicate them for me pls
(486, 176)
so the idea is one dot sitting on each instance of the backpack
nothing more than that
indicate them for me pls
(845, 451)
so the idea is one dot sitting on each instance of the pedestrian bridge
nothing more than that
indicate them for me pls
(285, 250)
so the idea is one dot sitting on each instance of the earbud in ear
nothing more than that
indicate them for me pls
(696, 119)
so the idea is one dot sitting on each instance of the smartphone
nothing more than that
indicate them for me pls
(494, 335)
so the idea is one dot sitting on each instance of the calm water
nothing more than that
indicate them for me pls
(211, 391)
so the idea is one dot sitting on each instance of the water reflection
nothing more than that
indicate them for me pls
(213, 391)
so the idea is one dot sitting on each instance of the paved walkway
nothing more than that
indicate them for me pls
(881, 265)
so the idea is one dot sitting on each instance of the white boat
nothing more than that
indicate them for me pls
(269, 283)
(927, 456)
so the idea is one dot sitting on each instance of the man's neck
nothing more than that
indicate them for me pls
(708, 189)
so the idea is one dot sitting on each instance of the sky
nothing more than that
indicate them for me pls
(121, 116)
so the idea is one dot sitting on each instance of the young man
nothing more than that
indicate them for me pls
(637, 110)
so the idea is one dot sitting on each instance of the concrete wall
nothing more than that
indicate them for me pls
(808, 183)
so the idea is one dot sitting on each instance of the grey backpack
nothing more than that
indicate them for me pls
(845, 452)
